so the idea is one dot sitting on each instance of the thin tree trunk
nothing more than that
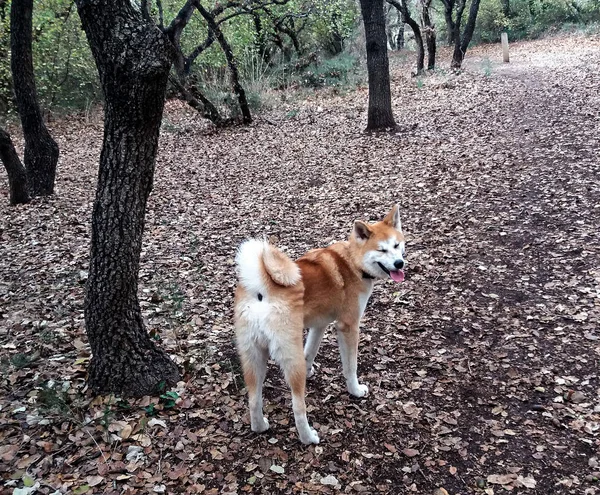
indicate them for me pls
(414, 25)
(41, 151)
(134, 59)
(380, 114)
(196, 100)
(450, 25)
(400, 34)
(430, 37)
(458, 55)
(470, 27)
(462, 43)
(231, 63)
(17, 175)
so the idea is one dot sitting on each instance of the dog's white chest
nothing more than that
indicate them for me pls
(363, 299)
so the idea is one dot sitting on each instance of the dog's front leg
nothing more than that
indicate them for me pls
(313, 342)
(348, 336)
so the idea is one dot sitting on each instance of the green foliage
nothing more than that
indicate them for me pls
(66, 76)
(491, 21)
(168, 399)
(335, 21)
(532, 18)
(341, 70)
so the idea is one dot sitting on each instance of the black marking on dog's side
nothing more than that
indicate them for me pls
(259, 296)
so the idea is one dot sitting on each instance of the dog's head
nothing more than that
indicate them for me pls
(381, 246)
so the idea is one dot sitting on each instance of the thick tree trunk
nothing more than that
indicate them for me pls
(430, 37)
(41, 151)
(134, 59)
(231, 63)
(17, 175)
(380, 99)
(462, 43)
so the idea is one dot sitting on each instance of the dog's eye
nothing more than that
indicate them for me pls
(381, 250)
(396, 246)
(259, 296)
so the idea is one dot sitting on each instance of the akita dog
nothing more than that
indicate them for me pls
(277, 298)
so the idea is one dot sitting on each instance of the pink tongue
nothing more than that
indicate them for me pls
(397, 276)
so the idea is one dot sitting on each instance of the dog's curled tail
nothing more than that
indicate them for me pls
(258, 262)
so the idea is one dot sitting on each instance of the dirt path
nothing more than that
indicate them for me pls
(482, 366)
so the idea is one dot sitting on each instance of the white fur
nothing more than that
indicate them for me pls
(249, 266)
(371, 258)
(363, 299)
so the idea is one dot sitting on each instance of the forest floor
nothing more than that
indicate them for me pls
(482, 366)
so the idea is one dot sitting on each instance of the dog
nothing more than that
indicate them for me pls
(276, 298)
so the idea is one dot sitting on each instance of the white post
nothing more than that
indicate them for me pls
(504, 39)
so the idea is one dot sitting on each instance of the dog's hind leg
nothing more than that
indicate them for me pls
(287, 352)
(254, 363)
(295, 376)
(313, 342)
(348, 337)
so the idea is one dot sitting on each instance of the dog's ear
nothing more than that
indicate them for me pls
(393, 218)
(362, 231)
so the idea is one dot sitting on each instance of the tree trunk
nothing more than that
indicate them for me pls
(450, 25)
(400, 34)
(389, 26)
(134, 59)
(470, 27)
(458, 55)
(429, 29)
(231, 63)
(414, 25)
(506, 8)
(461, 44)
(17, 175)
(380, 99)
(41, 151)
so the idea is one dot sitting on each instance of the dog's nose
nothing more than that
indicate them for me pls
(399, 264)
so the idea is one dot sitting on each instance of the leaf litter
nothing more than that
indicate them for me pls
(482, 366)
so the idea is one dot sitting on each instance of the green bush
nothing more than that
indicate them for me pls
(341, 70)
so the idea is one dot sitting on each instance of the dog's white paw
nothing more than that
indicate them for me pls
(309, 437)
(359, 390)
(260, 426)
(310, 372)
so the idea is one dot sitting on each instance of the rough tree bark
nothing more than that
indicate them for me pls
(430, 38)
(380, 114)
(17, 175)
(231, 63)
(462, 43)
(41, 151)
(414, 25)
(134, 59)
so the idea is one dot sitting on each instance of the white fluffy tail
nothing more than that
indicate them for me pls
(259, 263)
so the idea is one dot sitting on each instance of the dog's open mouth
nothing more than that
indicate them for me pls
(395, 275)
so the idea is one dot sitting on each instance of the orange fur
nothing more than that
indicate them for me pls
(333, 286)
